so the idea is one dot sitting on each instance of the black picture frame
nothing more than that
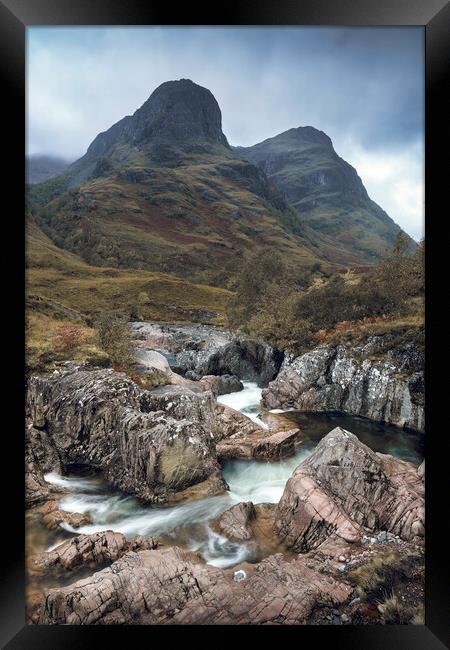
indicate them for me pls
(434, 16)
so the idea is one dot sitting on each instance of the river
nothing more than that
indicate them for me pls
(186, 524)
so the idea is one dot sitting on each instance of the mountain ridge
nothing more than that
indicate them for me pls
(162, 190)
(326, 190)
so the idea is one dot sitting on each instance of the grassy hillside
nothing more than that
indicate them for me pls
(196, 220)
(62, 289)
(162, 190)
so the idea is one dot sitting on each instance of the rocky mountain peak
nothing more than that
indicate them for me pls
(182, 110)
(176, 112)
(305, 135)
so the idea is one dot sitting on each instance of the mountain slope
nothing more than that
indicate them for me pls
(325, 190)
(60, 284)
(162, 190)
(41, 168)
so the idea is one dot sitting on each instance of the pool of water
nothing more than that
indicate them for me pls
(188, 524)
(387, 439)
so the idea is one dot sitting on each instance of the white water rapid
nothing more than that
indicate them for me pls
(185, 524)
(247, 401)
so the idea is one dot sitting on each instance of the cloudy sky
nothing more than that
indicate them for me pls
(363, 86)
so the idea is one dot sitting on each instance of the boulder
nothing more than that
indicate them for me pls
(36, 488)
(253, 525)
(234, 523)
(247, 359)
(384, 387)
(200, 350)
(229, 422)
(229, 384)
(151, 359)
(222, 384)
(52, 517)
(172, 586)
(180, 402)
(256, 442)
(102, 419)
(342, 488)
(277, 445)
(89, 550)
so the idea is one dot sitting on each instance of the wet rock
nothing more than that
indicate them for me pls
(52, 517)
(222, 384)
(247, 359)
(171, 586)
(210, 383)
(344, 488)
(228, 422)
(100, 418)
(89, 550)
(383, 389)
(229, 384)
(234, 523)
(207, 350)
(277, 445)
(253, 525)
(256, 442)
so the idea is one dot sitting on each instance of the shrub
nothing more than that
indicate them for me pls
(68, 338)
(260, 273)
(98, 360)
(292, 308)
(114, 336)
(395, 611)
(378, 577)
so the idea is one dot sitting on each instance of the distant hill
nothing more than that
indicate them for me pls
(325, 190)
(40, 168)
(162, 190)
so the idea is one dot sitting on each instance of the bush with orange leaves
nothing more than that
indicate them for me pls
(68, 338)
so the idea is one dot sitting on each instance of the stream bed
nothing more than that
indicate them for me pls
(186, 524)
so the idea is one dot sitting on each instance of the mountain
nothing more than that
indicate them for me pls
(40, 168)
(162, 190)
(325, 190)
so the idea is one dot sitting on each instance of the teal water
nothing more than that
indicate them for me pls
(187, 524)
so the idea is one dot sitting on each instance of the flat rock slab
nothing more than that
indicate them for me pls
(171, 586)
(258, 444)
(89, 550)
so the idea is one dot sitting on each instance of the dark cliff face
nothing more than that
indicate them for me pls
(177, 112)
(325, 190)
